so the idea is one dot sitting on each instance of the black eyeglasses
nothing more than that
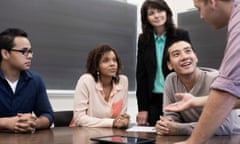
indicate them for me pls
(24, 51)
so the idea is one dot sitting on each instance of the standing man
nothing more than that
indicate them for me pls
(226, 88)
(22, 92)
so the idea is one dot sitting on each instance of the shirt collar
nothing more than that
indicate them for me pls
(161, 37)
(24, 74)
(116, 87)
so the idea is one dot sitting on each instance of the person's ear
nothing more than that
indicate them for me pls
(196, 56)
(169, 66)
(4, 53)
(212, 3)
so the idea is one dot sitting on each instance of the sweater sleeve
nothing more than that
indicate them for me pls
(169, 98)
(227, 128)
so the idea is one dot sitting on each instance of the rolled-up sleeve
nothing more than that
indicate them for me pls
(229, 72)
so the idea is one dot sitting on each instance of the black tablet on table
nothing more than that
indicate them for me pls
(118, 139)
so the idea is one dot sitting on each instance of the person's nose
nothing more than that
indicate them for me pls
(184, 56)
(113, 63)
(156, 15)
(30, 55)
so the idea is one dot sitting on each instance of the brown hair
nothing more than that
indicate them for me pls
(94, 57)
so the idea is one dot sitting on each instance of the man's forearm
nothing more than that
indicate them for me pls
(4, 123)
(184, 128)
(218, 106)
(42, 122)
(200, 101)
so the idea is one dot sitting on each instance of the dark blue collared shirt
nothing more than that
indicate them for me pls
(30, 96)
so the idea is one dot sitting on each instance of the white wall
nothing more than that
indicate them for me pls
(176, 6)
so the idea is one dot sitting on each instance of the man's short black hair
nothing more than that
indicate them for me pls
(7, 38)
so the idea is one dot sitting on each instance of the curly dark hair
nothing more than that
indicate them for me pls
(94, 57)
(147, 28)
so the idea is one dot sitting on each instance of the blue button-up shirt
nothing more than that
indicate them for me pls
(30, 96)
(159, 79)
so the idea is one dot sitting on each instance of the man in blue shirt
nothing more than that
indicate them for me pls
(24, 104)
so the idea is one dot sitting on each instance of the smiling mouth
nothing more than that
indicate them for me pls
(158, 21)
(186, 64)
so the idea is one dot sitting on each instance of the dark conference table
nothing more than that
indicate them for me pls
(82, 135)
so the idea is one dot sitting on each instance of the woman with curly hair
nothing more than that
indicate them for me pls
(101, 93)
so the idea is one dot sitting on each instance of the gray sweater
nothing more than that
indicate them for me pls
(187, 120)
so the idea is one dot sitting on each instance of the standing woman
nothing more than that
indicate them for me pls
(101, 93)
(158, 33)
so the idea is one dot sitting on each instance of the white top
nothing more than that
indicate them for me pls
(13, 85)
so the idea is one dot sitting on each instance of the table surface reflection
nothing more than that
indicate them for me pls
(82, 135)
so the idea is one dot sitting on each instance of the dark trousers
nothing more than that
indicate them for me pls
(155, 110)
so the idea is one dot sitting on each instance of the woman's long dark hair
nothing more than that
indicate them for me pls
(94, 58)
(147, 28)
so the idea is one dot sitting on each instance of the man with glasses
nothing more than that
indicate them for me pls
(24, 104)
